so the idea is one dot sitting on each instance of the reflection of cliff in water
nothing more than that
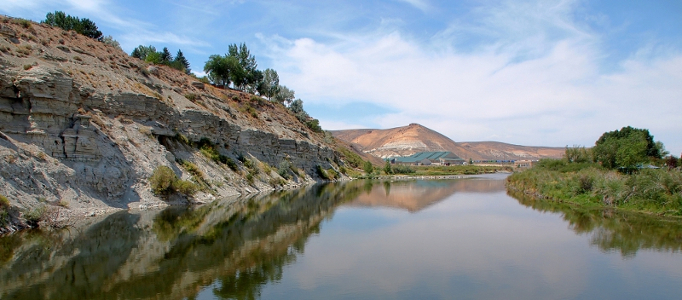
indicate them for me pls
(171, 254)
(615, 230)
(416, 195)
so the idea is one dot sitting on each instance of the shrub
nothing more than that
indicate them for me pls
(402, 169)
(322, 173)
(165, 182)
(332, 174)
(191, 96)
(368, 167)
(283, 169)
(35, 215)
(185, 187)
(162, 180)
(4, 202)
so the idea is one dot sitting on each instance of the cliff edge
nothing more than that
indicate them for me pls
(83, 126)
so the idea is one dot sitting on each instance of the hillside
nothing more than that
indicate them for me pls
(407, 140)
(83, 126)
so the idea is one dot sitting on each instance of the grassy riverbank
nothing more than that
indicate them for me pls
(657, 191)
(441, 170)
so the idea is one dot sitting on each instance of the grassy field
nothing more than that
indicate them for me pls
(454, 170)
(657, 191)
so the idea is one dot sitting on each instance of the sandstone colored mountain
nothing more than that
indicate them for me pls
(407, 140)
(83, 125)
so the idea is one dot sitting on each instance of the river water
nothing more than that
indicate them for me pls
(421, 239)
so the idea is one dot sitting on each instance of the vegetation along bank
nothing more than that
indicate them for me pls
(625, 169)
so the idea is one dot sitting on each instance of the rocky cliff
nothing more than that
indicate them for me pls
(83, 126)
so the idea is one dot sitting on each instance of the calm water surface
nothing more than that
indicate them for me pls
(463, 238)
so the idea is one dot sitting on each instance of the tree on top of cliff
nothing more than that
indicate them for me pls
(67, 22)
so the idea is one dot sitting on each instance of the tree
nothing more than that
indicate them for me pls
(270, 85)
(626, 148)
(67, 22)
(166, 56)
(142, 52)
(221, 70)
(180, 59)
(368, 167)
(387, 168)
(284, 95)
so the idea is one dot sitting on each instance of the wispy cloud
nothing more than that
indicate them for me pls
(536, 79)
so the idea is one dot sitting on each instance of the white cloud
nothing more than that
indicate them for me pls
(538, 82)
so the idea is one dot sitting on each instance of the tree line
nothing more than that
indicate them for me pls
(626, 149)
(163, 57)
(236, 69)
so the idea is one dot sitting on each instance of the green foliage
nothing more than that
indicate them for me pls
(163, 57)
(283, 169)
(314, 125)
(110, 41)
(387, 168)
(4, 202)
(368, 167)
(35, 215)
(626, 148)
(578, 154)
(83, 26)
(284, 95)
(322, 173)
(653, 190)
(562, 165)
(402, 169)
(223, 70)
(23, 22)
(352, 158)
(164, 182)
(4, 211)
(181, 138)
(269, 87)
(191, 96)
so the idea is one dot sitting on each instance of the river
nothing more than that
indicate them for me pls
(419, 239)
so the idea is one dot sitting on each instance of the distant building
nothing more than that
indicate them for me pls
(429, 158)
(524, 163)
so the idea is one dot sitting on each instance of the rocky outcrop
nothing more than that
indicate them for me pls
(85, 125)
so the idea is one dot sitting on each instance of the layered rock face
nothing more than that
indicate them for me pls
(84, 125)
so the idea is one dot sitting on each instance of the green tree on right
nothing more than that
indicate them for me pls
(626, 148)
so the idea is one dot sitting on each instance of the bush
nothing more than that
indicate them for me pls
(162, 180)
(165, 182)
(402, 169)
(4, 202)
(35, 215)
(368, 167)
(185, 187)
(352, 158)
(283, 169)
(191, 96)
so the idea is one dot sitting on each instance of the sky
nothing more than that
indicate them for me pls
(536, 73)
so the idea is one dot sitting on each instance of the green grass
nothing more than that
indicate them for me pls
(656, 191)
(452, 170)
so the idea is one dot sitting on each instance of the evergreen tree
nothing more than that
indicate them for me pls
(270, 85)
(166, 56)
(180, 58)
(67, 22)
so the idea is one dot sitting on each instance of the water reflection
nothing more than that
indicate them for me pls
(416, 195)
(460, 236)
(171, 254)
(615, 230)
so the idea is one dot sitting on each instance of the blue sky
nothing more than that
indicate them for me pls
(550, 73)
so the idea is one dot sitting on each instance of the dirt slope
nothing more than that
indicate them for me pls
(407, 140)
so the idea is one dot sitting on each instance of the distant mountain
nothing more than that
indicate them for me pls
(407, 140)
